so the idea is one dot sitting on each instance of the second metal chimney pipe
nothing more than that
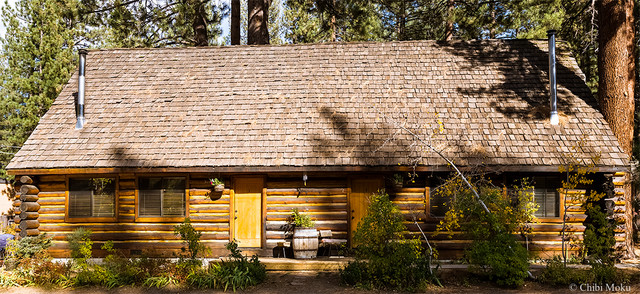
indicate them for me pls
(552, 77)
(80, 102)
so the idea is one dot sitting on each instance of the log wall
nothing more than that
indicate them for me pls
(324, 199)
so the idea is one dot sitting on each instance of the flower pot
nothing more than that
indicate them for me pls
(305, 243)
(218, 188)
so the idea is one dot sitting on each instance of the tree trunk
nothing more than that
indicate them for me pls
(235, 22)
(616, 72)
(258, 32)
(200, 24)
(448, 32)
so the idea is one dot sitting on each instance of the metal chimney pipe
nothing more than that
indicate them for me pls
(80, 102)
(552, 77)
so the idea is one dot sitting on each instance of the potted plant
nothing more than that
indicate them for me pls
(397, 180)
(305, 236)
(218, 188)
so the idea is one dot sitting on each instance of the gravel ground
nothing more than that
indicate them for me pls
(329, 282)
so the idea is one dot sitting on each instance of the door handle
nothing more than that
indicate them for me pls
(235, 217)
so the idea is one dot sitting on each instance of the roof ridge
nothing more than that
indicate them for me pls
(224, 47)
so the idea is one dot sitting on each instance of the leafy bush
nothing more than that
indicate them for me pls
(237, 274)
(385, 259)
(29, 262)
(80, 244)
(494, 251)
(191, 237)
(558, 274)
(26, 248)
(301, 220)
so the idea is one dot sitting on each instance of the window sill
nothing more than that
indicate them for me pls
(160, 219)
(90, 219)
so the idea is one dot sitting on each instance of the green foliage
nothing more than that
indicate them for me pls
(599, 237)
(37, 59)
(502, 258)
(236, 274)
(326, 21)
(80, 245)
(191, 237)
(558, 274)
(494, 250)
(29, 262)
(301, 220)
(215, 182)
(384, 258)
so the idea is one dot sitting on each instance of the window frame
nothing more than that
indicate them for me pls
(139, 218)
(559, 192)
(67, 197)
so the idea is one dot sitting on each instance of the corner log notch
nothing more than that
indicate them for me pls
(26, 208)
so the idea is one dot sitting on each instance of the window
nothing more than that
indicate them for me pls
(92, 198)
(546, 196)
(162, 197)
(438, 201)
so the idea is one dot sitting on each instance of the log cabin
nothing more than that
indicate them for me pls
(131, 143)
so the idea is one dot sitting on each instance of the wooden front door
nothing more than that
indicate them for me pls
(361, 190)
(248, 211)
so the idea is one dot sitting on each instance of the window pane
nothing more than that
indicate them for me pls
(173, 203)
(162, 197)
(94, 197)
(438, 203)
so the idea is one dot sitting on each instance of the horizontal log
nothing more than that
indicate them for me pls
(557, 228)
(283, 235)
(314, 216)
(142, 244)
(278, 226)
(308, 191)
(308, 208)
(29, 224)
(141, 236)
(28, 198)
(126, 193)
(324, 183)
(52, 194)
(207, 200)
(51, 201)
(53, 187)
(411, 206)
(127, 184)
(51, 218)
(29, 206)
(29, 190)
(51, 178)
(137, 227)
(211, 209)
(29, 215)
(31, 232)
(26, 180)
(49, 209)
(209, 218)
(305, 200)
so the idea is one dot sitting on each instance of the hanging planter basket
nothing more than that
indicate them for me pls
(216, 191)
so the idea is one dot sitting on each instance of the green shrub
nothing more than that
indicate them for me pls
(191, 237)
(237, 274)
(494, 252)
(504, 260)
(384, 258)
(80, 245)
(23, 249)
(301, 220)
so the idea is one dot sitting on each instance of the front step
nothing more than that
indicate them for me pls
(318, 264)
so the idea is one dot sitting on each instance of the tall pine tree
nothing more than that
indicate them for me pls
(37, 52)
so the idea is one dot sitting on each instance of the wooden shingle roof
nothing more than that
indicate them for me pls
(323, 106)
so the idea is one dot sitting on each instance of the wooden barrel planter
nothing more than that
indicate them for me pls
(305, 243)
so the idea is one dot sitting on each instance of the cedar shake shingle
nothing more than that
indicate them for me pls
(321, 105)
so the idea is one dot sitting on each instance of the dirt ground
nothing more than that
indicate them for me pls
(325, 282)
